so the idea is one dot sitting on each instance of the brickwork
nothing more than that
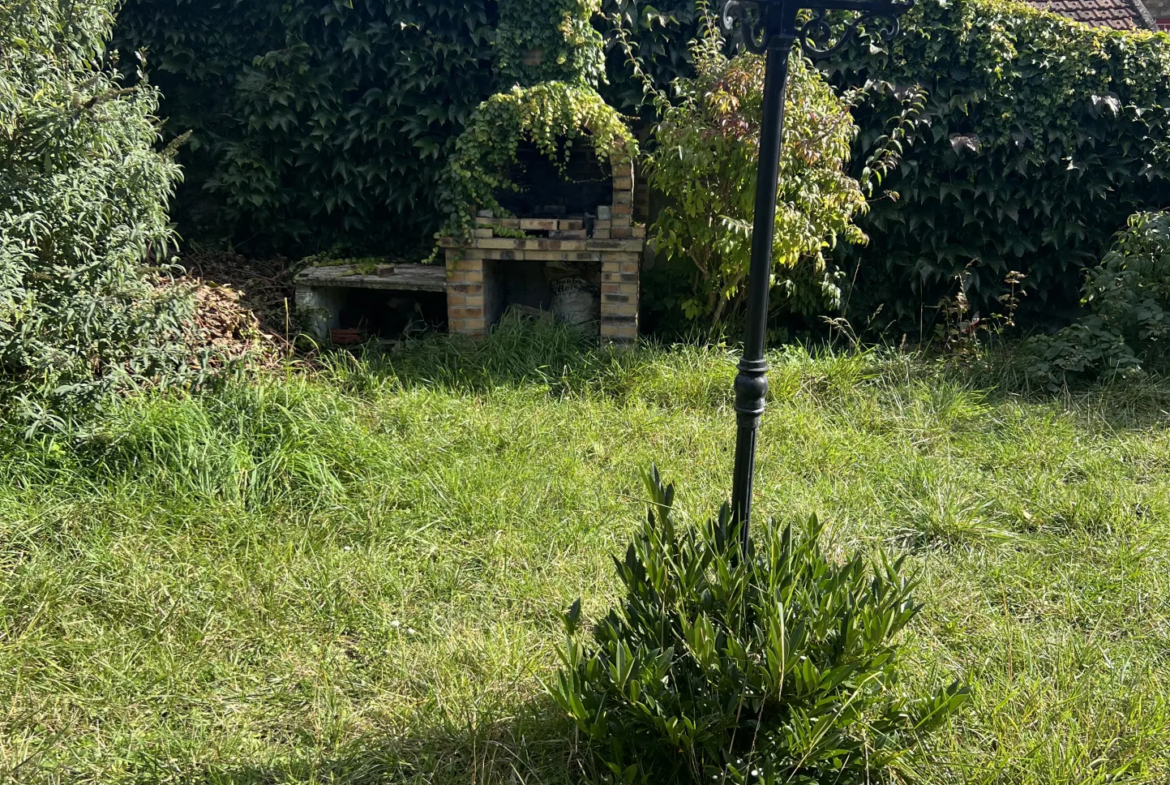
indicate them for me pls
(613, 241)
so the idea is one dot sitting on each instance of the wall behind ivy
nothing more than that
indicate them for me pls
(327, 120)
(312, 120)
(1040, 136)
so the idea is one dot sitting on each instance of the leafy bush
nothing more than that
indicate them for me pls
(707, 145)
(775, 668)
(1128, 298)
(1038, 138)
(83, 199)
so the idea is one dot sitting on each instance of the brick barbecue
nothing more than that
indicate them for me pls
(487, 274)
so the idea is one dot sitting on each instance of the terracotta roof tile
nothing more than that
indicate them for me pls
(1117, 14)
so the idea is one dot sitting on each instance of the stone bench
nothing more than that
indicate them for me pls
(321, 291)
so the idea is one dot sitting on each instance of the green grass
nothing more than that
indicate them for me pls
(354, 575)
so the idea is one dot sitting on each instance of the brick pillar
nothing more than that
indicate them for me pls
(619, 296)
(623, 199)
(466, 311)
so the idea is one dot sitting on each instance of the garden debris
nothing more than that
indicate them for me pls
(228, 328)
(346, 336)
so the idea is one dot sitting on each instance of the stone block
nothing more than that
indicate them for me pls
(537, 224)
(615, 277)
(544, 256)
(506, 256)
(501, 243)
(623, 183)
(319, 309)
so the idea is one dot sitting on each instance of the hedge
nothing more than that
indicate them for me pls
(1039, 138)
(324, 119)
(83, 207)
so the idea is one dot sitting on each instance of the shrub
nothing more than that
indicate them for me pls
(1128, 298)
(1038, 138)
(774, 668)
(83, 199)
(707, 144)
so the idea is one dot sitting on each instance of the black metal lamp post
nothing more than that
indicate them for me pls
(770, 27)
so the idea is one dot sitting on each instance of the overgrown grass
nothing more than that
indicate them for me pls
(354, 575)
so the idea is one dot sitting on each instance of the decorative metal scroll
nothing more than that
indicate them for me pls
(744, 18)
(821, 36)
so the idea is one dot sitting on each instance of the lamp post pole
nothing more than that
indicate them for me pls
(769, 27)
(751, 382)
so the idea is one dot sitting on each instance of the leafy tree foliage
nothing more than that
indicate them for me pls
(1039, 136)
(777, 667)
(704, 161)
(83, 198)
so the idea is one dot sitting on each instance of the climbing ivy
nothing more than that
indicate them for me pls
(314, 120)
(548, 40)
(1039, 136)
(548, 114)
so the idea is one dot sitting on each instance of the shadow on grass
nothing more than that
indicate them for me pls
(534, 746)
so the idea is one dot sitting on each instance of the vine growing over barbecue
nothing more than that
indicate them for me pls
(547, 114)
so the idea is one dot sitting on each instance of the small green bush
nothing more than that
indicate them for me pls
(83, 202)
(1128, 297)
(704, 163)
(775, 668)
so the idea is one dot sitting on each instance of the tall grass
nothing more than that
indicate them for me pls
(353, 575)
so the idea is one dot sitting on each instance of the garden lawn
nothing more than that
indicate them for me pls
(354, 574)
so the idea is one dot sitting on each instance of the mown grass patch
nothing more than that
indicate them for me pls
(353, 575)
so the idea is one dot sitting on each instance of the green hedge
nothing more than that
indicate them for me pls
(313, 119)
(1040, 136)
(324, 119)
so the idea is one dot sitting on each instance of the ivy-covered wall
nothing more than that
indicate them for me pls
(322, 119)
(326, 119)
(317, 119)
(1039, 138)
